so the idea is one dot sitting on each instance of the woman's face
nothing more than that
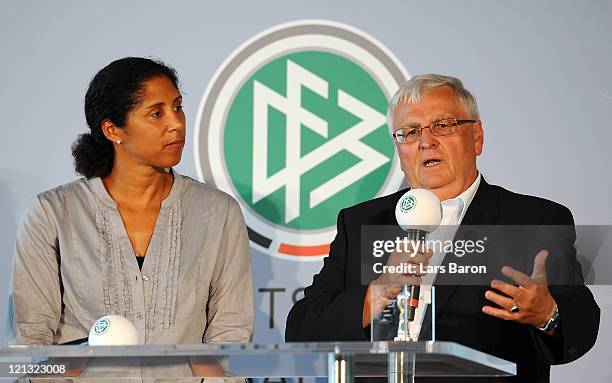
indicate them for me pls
(154, 133)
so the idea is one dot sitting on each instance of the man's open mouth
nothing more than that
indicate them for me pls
(431, 162)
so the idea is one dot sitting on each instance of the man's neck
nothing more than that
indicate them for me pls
(453, 191)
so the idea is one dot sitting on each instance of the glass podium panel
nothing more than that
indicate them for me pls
(338, 361)
(406, 317)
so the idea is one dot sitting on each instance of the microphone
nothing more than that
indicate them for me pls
(111, 330)
(418, 212)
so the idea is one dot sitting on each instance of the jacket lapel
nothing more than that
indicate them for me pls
(484, 207)
(482, 211)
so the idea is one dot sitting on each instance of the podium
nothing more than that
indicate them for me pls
(340, 362)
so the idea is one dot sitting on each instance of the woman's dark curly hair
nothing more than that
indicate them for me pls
(112, 94)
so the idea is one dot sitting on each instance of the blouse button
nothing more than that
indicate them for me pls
(145, 278)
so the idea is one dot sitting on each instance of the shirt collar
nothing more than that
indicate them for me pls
(463, 200)
(173, 196)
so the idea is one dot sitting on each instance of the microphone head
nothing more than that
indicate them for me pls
(113, 330)
(419, 209)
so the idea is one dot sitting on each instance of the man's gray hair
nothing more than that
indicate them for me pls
(413, 90)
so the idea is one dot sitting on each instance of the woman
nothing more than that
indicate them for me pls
(133, 237)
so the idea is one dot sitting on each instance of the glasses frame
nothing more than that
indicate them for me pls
(420, 129)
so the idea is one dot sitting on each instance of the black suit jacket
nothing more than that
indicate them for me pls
(331, 309)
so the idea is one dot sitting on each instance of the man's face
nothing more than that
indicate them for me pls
(446, 165)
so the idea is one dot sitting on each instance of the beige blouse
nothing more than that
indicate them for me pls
(74, 264)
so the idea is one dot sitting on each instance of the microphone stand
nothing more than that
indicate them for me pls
(408, 298)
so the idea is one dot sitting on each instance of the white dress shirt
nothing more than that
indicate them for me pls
(453, 211)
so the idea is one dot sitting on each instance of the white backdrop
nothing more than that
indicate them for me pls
(540, 70)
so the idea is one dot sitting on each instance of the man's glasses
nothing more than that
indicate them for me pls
(443, 127)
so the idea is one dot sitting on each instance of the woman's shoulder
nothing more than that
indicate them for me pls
(53, 205)
(196, 191)
(59, 194)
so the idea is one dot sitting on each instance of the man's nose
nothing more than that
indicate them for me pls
(427, 140)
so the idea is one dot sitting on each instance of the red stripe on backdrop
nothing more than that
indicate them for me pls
(318, 250)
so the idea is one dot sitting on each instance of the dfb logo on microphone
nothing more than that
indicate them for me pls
(101, 326)
(408, 203)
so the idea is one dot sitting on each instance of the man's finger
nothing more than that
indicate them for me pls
(418, 270)
(400, 279)
(389, 292)
(392, 291)
(499, 313)
(518, 277)
(500, 300)
(539, 267)
(410, 250)
(505, 288)
(412, 280)
(407, 258)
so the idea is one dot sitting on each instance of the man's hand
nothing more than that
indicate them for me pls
(535, 304)
(388, 285)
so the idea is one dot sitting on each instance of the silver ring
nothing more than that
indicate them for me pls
(515, 308)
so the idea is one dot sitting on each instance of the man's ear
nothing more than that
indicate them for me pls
(478, 137)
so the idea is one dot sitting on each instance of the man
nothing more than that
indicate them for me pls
(438, 134)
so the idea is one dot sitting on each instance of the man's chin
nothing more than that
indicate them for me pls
(433, 183)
